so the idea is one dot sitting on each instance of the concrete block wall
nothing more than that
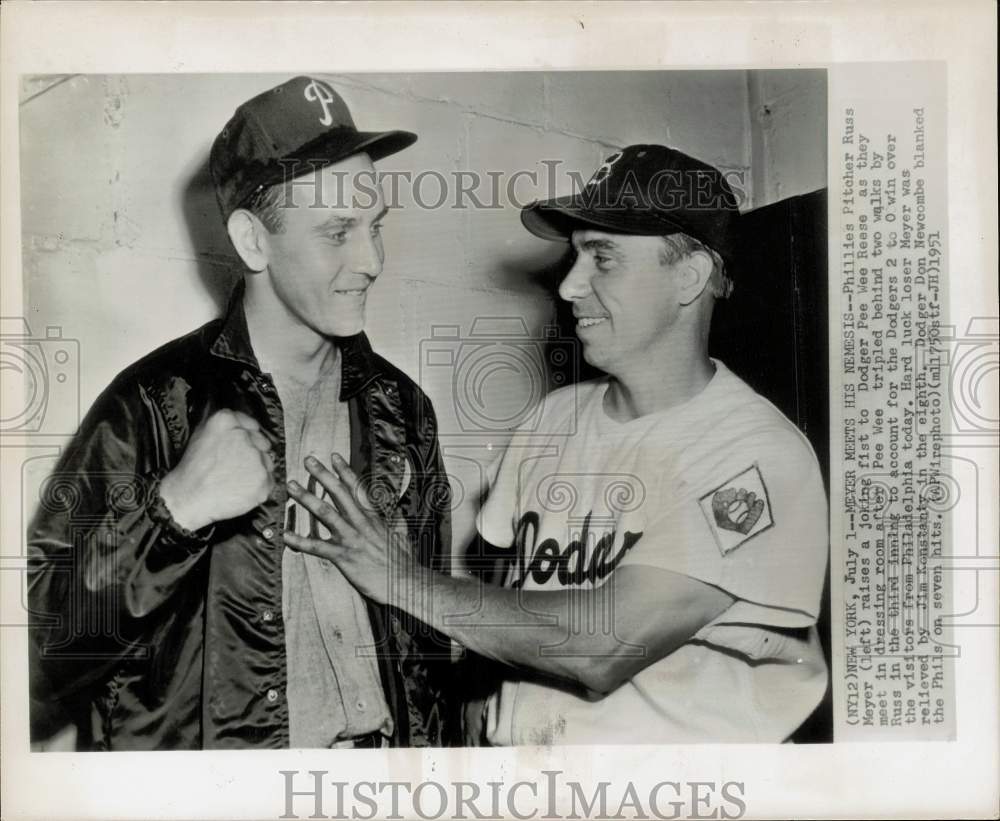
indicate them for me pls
(123, 247)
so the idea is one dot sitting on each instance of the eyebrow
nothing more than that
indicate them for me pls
(346, 222)
(596, 245)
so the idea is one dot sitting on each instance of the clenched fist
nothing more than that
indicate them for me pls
(225, 471)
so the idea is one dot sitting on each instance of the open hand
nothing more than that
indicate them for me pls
(375, 557)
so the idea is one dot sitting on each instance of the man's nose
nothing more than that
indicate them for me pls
(576, 284)
(369, 257)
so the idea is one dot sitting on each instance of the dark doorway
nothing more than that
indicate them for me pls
(773, 332)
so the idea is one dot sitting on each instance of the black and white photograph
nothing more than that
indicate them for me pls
(424, 436)
(616, 289)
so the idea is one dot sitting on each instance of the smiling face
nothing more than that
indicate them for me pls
(624, 298)
(328, 251)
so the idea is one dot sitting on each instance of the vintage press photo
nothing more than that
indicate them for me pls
(559, 408)
(433, 443)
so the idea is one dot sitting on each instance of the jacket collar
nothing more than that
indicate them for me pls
(359, 364)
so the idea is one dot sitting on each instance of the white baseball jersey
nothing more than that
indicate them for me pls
(722, 488)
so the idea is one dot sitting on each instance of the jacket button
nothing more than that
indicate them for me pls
(394, 458)
(268, 532)
(272, 695)
(267, 615)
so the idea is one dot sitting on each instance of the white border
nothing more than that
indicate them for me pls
(860, 780)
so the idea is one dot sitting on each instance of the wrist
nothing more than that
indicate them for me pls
(414, 590)
(183, 513)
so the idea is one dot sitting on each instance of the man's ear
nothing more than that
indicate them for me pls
(249, 238)
(694, 272)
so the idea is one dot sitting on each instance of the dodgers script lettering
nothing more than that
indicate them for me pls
(574, 564)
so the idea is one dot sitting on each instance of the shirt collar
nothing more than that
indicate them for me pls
(359, 364)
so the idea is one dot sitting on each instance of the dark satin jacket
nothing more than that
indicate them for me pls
(150, 637)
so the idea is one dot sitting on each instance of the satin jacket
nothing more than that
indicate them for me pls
(147, 636)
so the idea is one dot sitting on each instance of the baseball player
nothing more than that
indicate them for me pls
(166, 611)
(667, 538)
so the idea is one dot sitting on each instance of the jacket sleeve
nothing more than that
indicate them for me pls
(438, 648)
(103, 552)
(439, 493)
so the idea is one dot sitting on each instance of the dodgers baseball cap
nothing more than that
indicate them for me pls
(291, 129)
(646, 190)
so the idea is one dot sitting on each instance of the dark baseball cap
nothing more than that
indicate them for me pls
(290, 130)
(645, 190)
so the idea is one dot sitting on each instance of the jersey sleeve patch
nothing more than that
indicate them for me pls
(738, 509)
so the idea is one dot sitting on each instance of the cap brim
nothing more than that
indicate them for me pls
(331, 147)
(558, 218)
(335, 146)
(379, 145)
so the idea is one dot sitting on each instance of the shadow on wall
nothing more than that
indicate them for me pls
(218, 265)
(543, 267)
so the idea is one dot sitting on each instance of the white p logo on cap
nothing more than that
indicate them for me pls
(320, 93)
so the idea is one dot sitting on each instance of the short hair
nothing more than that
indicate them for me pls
(677, 246)
(265, 204)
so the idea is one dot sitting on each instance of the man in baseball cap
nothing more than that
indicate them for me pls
(222, 637)
(666, 537)
(299, 126)
(645, 190)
